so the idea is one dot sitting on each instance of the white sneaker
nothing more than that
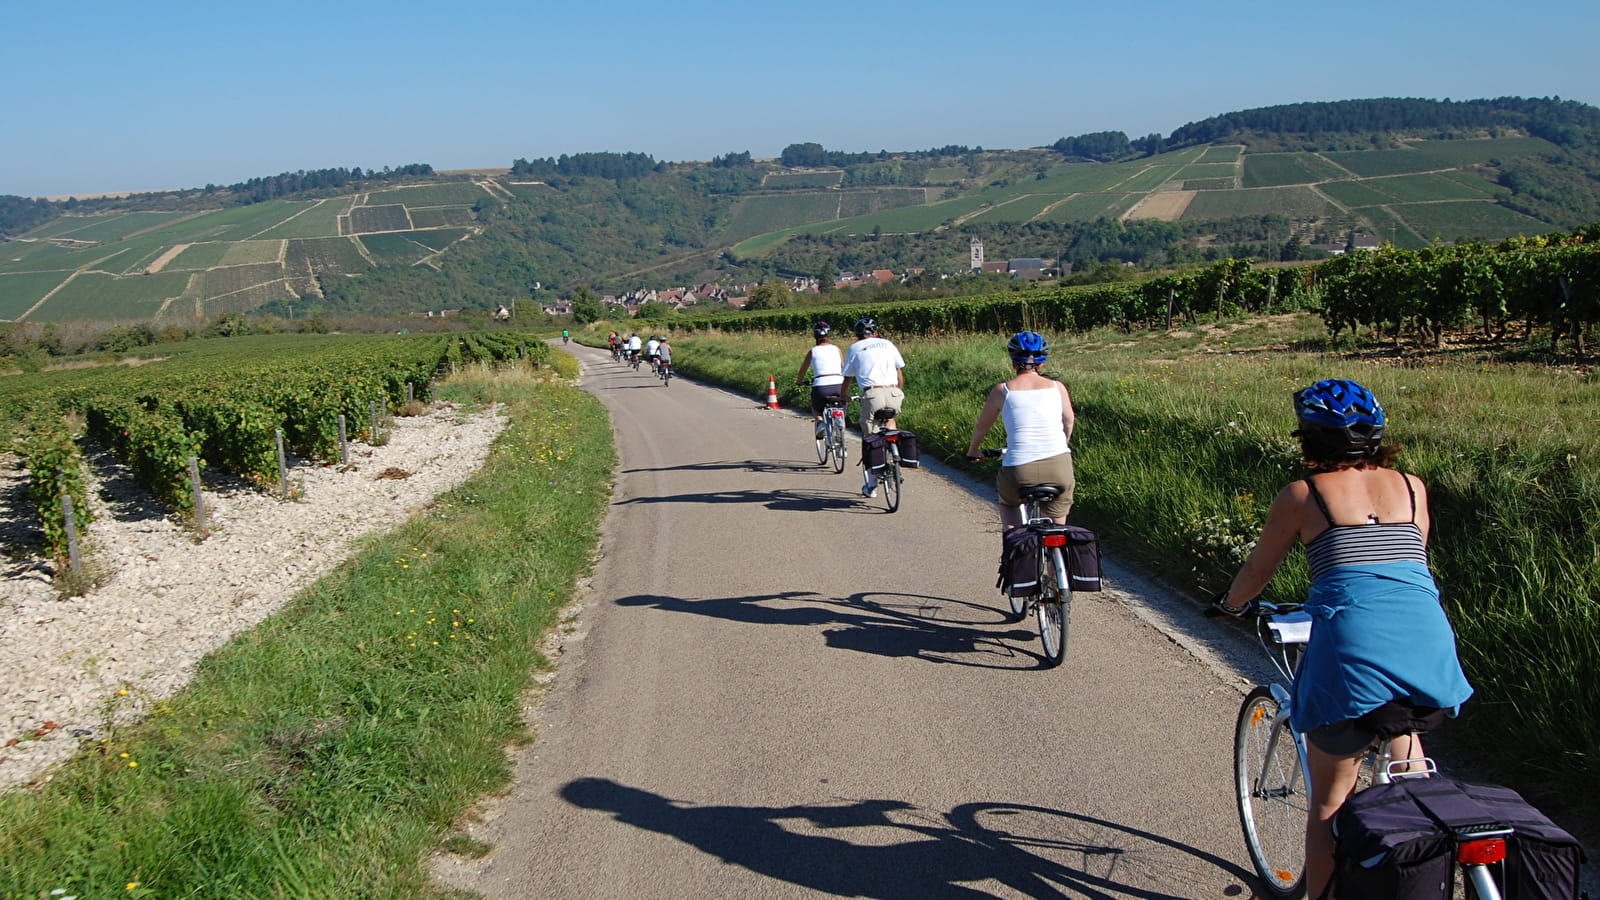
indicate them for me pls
(870, 488)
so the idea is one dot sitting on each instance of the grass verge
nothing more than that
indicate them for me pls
(328, 751)
(1183, 441)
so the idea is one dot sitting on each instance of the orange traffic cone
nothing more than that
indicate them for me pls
(772, 392)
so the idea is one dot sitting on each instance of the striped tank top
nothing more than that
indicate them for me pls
(1366, 544)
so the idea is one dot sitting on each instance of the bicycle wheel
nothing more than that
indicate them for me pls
(835, 436)
(1052, 608)
(889, 481)
(1270, 786)
(823, 450)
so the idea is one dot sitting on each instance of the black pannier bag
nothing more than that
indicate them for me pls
(1394, 841)
(1019, 563)
(1082, 554)
(910, 455)
(874, 450)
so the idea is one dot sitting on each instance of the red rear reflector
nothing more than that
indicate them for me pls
(1055, 540)
(1481, 853)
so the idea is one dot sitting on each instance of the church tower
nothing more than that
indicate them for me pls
(977, 254)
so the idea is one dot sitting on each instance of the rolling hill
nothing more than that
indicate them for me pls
(1249, 183)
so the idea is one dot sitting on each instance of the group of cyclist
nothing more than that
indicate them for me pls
(1381, 664)
(657, 351)
(873, 363)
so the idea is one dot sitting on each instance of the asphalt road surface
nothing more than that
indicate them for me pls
(776, 688)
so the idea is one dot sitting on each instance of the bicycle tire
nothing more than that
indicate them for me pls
(1053, 610)
(1274, 803)
(836, 445)
(889, 481)
(823, 450)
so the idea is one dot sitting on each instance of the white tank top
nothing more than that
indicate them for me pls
(827, 365)
(1033, 425)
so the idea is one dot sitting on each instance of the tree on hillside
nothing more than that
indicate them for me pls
(771, 295)
(586, 306)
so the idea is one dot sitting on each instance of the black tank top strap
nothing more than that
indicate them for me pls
(1413, 492)
(1311, 484)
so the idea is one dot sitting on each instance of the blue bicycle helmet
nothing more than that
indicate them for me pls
(1342, 413)
(865, 326)
(1028, 348)
(821, 329)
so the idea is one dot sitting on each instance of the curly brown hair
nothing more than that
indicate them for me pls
(1320, 455)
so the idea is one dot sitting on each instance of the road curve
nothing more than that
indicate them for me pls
(775, 688)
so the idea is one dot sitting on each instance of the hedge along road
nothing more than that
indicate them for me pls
(775, 688)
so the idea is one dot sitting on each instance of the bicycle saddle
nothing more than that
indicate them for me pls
(886, 413)
(1040, 493)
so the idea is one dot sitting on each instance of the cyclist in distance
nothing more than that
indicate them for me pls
(664, 354)
(876, 364)
(614, 341)
(1381, 663)
(650, 351)
(825, 363)
(565, 336)
(1038, 418)
(633, 345)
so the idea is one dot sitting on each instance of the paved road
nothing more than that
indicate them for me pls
(777, 689)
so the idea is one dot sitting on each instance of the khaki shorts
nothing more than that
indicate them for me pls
(1050, 470)
(876, 398)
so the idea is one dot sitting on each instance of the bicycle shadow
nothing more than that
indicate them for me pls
(769, 466)
(781, 500)
(844, 849)
(932, 629)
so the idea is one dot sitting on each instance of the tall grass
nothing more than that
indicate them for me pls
(328, 751)
(1183, 441)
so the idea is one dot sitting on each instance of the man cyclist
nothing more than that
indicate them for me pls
(825, 362)
(877, 366)
(633, 346)
(650, 352)
(565, 336)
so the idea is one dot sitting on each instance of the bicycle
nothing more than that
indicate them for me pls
(890, 478)
(1272, 777)
(665, 373)
(1052, 606)
(830, 433)
(633, 359)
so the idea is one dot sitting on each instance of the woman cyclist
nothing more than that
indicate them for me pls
(1038, 417)
(1381, 663)
(825, 364)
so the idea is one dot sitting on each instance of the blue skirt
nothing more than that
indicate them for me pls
(1378, 634)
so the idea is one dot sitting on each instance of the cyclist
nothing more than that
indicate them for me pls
(1038, 418)
(1381, 663)
(825, 363)
(876, 364)
(614, 341)
(664, 355)
(633, 345)
(650, 352)
(565, 336)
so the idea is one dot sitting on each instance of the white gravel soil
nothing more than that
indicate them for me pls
(167, 600)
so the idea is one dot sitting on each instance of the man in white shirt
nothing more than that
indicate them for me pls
(876, 365)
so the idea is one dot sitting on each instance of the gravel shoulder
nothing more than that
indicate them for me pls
(167, 600)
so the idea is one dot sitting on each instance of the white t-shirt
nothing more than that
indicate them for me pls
(650, 348)
(827, 365)
(633, 342)
(1034, 429)
(873, 363)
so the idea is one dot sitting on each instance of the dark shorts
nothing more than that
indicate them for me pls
(820, 395)
(1391, 720)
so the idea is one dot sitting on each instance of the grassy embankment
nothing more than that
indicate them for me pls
(1183, 441)
(328, 751)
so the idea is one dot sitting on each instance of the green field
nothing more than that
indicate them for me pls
(1019, 209)
(1278, 169)
(1295, 202)
(774, 212)
(198, 256)
(394, 249)
(20, 291)
(1079, 177)
(1372, 163)
(802, 180)
(1089, 207)
(96, 296)
(316, 219)
(339, 256)
(365, 219)
(1209, 171)
(862, 201)
(1355, 194)
(440, 238)
(1467, 152)
(455, 193)
(1225, 153)
(441, 217)
(1467, 219)
(1428, 186)
(1148, 179)
(1208, 184)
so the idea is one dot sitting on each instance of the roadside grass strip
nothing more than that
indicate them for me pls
(328, 751)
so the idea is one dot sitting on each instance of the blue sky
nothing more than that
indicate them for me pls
(106, 96)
